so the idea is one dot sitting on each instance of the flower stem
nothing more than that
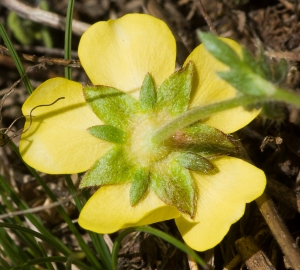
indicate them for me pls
(195, 114)
(286, 96)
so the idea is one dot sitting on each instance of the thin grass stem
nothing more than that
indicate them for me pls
(48, 264)
(63, 213)
(16, 58)
(68, 38)
(28, 240)
(159, 234)
(32, 218)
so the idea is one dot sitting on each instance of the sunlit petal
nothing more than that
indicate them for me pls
(119, 53)
(221, 201)
(109, 210)
(57, 141)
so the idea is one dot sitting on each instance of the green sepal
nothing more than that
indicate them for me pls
(108, 133)
(174, 185)
(173, 95)
(204, 140)
(221, 50)
(139, 185)
(147, 94)
(113, 168)
(197, 163)
(112, 106)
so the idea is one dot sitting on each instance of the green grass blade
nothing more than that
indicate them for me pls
(27, 240)
(49, 265)
(16, 58)
(68, 75)
(33, 219)
(62, 212)
(73, 191)
(97, 239)
(159, 234)
(68, 38)
(50, 240)
(15, 254)
(40, 261)
(3, 263)
(102, 249)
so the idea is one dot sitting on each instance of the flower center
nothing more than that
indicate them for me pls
(140, 148)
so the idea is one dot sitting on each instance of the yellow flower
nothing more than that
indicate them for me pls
(119, 54)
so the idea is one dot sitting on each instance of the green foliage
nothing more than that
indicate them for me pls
(26, 31)
(139, 185)
(173, 184)
(111, 105)
(245, 74)
(113, 168)
(20, 28)
(274, 113)
(68, 37)
(173, 95)
(15, 58)
(196, 162)
(279, 72)
(222, 51)
(248, 82)
(202, 139)
(172, 240)
(28, 252)
(147, 94)
(171, 180)
(108, 133)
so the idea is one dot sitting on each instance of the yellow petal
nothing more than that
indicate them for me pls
(109, 210)
(119, 53)
(208, 88)
(221, 201)
(58, 141)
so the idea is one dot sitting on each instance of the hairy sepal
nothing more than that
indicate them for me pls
(112, 168)
(173, 94)
(204, 140)
(174, 185)
(112, 106)
(196, 162)
(108, 133)
(148, 94)
(139, 185)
